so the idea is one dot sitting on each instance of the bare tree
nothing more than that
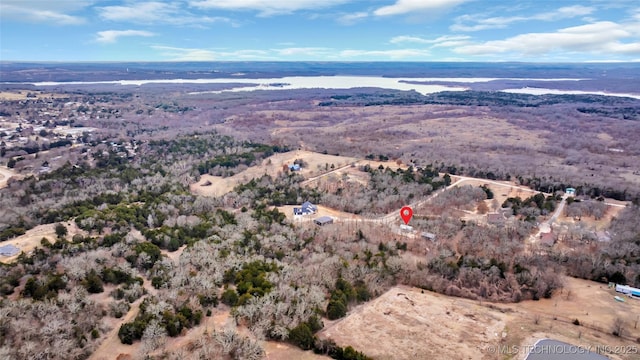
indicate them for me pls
(617, 328)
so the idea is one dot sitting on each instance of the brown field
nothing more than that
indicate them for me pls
(407, 323)
(31, 239)
(404, 323)
(22, 95)
(271, 166)
(425, 123)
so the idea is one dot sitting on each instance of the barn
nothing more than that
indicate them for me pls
(323, 220)
(428, 236)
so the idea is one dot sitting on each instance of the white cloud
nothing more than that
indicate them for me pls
(408, 6)
(54, 12)
(266, 7)
(349, 19)
(306, 51)
(409, 39)
(601, 38)
(419, 40)
(111, 36)
(477, 23)
(319, 53)
(195, 54)
(154, 12)
(185, 54)
(390, 54)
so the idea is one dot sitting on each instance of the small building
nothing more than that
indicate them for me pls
(628, 290)
(406, 228)
(294, 167)
(9, 250)
(495, 218)
(570, 191)
(428, 236)
(547, 239)
(323, 220)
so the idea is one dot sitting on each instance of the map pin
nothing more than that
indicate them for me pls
(406, 213)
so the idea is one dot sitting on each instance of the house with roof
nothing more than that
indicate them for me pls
(294, 167)
(306, 208)
(570, 191)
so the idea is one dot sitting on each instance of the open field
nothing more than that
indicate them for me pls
(408, 323)
(22, 95)
(423, 124)
(27, 242)
(317, 164)
(405, 323)
(501, 189)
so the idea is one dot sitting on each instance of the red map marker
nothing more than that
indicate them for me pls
(406, 213)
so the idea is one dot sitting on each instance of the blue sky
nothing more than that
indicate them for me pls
(324, 30)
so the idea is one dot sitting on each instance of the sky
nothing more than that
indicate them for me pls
(320, 30)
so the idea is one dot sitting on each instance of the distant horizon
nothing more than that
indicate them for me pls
(317, 61)
(526, 31)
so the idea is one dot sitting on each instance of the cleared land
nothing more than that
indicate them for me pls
(405, 323)
(408, 323)
(27, 242)
(316, 164)
(22, 95)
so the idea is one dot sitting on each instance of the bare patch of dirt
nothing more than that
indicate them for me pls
(5, 175)
(405, 323)
(284, 351)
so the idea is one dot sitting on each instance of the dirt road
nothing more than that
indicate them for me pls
(5, 175)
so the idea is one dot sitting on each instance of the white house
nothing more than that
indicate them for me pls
(307, 208)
